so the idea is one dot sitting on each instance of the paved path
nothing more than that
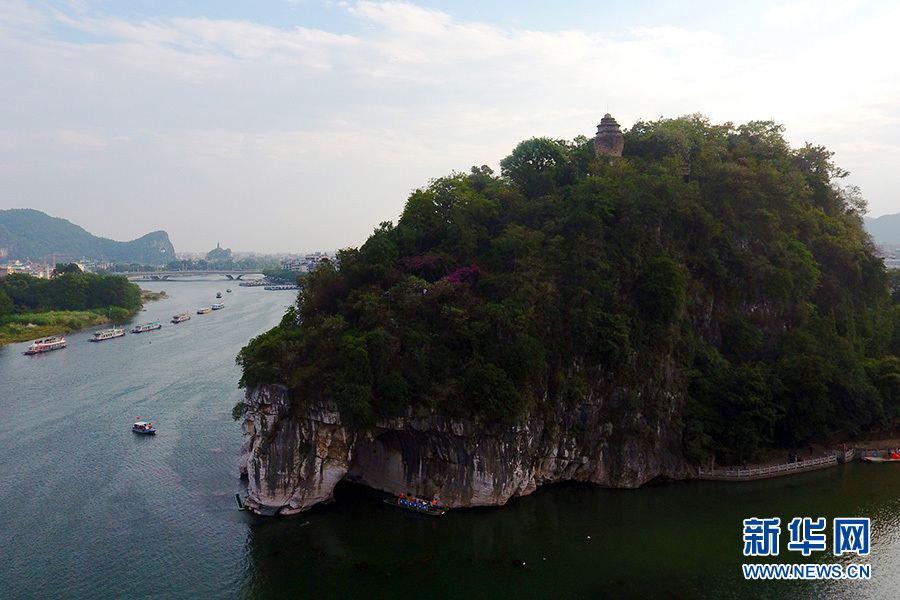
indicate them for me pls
(754, 473)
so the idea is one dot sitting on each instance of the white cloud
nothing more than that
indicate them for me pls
(296, 119)
(808, 14)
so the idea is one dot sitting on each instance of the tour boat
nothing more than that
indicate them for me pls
(417, 505)
(882, 459)
(46, 345)
(143, 427)
(204, 310)
(279, 288)
(218, 306)
(181, 318)
(107, 334)
(146, 327)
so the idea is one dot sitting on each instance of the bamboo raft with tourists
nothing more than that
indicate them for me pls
(419, 505)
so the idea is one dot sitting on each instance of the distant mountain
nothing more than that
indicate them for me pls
(884, 229)
(27, 234)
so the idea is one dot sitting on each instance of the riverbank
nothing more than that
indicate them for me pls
(776, 463)
(31, 326)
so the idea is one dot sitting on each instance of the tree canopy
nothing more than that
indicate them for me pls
(738, 259)
(69, 289)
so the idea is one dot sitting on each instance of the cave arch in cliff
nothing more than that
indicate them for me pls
(407, 462)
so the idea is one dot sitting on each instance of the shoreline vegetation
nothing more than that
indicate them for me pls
(31, 326)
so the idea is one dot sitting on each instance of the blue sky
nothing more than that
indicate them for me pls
(294, 126)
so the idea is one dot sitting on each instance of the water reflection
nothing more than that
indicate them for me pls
(575, 541)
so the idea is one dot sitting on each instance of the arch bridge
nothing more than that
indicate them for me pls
(164, 275)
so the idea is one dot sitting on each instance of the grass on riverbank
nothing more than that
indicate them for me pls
(31, 326)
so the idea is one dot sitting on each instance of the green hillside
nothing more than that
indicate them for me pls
(27, 234)
(884, 229)
(712, 278)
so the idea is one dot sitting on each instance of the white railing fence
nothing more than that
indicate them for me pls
(733, 472)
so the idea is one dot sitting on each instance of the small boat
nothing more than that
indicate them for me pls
(218, 306)
(107, 334)
(204, 310)
(218, 294)
(143, 427)
(882, 459)
(280, 288)
(146, 327)
(181, 318)
(228, 290)
(46, 345)
(417, 505)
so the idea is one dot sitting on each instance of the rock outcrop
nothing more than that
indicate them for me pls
(299, 450)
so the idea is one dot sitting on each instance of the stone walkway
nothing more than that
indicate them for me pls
(755, 472)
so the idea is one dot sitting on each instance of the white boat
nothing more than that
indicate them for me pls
(46, 345)
(143, 427)
(181, 318)
(279, 288)
(204, 310)
(218, 294)
(218, 306)
(107, 334)
(881, 459)
(146, 327)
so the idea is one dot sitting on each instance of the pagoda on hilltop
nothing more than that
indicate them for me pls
(609, 140)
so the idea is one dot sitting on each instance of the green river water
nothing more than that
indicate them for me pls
(89, 510)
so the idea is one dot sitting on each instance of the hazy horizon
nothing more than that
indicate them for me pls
(287, 124)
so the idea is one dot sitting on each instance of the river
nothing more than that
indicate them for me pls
(89, 510)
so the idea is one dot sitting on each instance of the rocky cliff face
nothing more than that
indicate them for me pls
(298, 451)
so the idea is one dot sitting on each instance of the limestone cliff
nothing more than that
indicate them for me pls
(299, 451)
(705, 294)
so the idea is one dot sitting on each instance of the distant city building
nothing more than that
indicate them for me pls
(307, 264)
(890, 254)
(34, 269)
(609, 140)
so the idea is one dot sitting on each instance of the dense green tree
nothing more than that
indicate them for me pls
(538, 166)
(717, 251)
(62, 269)
(7, 308)
(70, 290)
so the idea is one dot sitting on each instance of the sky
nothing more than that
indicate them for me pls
(301, 125)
